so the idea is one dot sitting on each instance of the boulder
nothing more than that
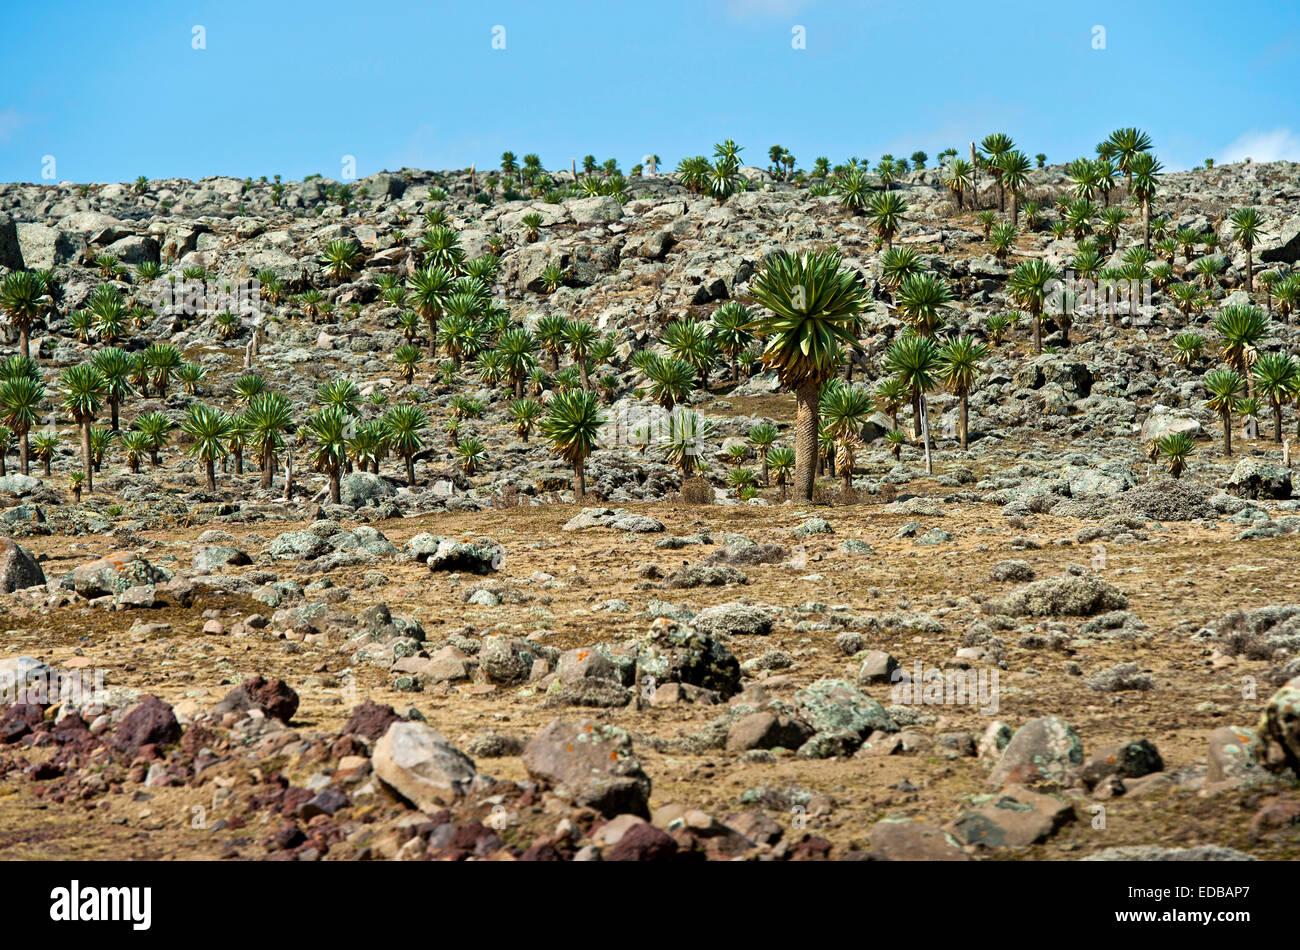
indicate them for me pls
(11, 252)
(213, 557)
(18, 569)
(480, 556)
(595, 210)
(729, 620)
(150, 722)
(114, 574)
(19, 484)
(767, 730)
(359, 489)
(1014, 818)
(273, 698)
(1044, 751)
(589, 764)
(1279, 729)
(1235, 755)
(1165, 421)
(902, 839)
(1253, 478)
(44, 247)
(422, 766)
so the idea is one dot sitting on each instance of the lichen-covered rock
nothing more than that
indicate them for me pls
(1253, 478)
(298, 545)
(902, 839)
(765, 729)
(1279, 730)
(690, 657)
(359, 489)
(831, 705)
(1235, 757)
(812, 526)
(213, 557)
(481, 556)
(114, 574)
(18, 569)
(372, 541)
(616, 518)
(589, 764)
(1012, 818)
(1044, 751)
(421, 765)
(1133, 758)
(508, 660)
(733, 620)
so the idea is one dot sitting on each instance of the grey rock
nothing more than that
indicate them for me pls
(1044, 751)
(420, 764)
(18, 569)
(727, 620)
(589, 764)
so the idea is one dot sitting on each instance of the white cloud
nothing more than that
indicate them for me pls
(1279, 145)
(11, 120)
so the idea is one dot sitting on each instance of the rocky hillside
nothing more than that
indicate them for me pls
(939, 664)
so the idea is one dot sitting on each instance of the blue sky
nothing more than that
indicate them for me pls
(117, 90)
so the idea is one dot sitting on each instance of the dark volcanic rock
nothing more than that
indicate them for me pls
(150, 722)
(274, 698)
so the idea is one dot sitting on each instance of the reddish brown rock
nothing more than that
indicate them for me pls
(149, 722)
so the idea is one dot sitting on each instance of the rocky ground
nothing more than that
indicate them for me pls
(480, 666)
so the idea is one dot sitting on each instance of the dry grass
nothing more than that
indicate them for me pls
(1185, 577)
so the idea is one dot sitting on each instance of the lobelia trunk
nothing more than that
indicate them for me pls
(410, 470)
(925, 437)
(268, 465)
(1227, 433)
(962, 414)
(23, 452)
(210, 469)
(335, 496)
(579, 480)
(805, 440)
(87, 463)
